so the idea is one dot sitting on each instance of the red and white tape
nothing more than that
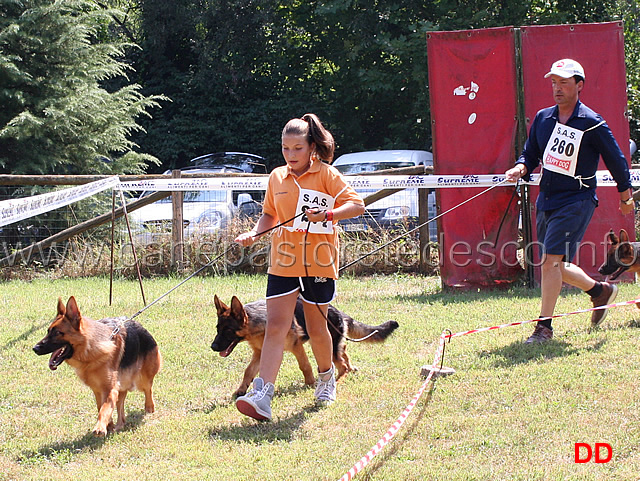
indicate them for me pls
(580, 311)
(366, 459)
(391, 432)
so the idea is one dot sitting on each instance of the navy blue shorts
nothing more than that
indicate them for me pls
(560, 231)
(315, 290)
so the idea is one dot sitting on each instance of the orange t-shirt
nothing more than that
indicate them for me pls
(321, 186)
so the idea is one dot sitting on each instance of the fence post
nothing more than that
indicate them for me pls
(177, 227)
(423, 232)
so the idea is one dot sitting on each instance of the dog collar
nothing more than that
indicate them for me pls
(117, 329)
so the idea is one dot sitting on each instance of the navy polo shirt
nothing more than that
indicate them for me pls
(557, 190)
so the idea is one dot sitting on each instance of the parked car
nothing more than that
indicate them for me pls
(204, 211)
(242, 162)
(397, 209)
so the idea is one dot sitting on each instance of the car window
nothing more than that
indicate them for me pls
(201, 196)
(256, 195)
(371, 167)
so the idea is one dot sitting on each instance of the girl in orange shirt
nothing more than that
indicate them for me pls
(304, 254)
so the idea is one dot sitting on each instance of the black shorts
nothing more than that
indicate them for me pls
(315, 290)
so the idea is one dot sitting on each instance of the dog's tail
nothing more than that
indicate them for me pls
(358, 330)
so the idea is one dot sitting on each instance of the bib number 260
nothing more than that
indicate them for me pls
(563, 147)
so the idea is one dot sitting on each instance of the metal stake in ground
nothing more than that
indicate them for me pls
(439, 371)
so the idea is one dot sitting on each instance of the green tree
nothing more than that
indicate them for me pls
(56, 59)
(237, 70)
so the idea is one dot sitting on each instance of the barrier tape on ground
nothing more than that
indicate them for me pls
(366, 459)
(14, 210)
(555, 316)
(356, 181)
(389, 435)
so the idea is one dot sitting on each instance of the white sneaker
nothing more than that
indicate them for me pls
(326, 386)
(257, 402)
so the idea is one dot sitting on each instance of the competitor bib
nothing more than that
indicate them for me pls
(308, 199)
(561, 152)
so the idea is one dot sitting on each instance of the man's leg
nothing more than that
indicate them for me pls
(602, 293)
(551, 280)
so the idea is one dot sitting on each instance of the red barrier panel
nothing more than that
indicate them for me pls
(599, 47)
(472, 88)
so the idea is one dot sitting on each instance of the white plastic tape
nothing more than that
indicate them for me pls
(356, 181)
(14, 210)
(207, 183)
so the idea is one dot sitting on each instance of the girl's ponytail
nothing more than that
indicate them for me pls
(311, 127)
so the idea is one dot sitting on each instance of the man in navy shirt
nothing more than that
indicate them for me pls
(568, 139)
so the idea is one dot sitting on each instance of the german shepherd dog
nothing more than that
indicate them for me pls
(622, 255)
(239, 323)
(112, 356)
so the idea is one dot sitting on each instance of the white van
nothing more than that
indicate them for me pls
(397, 209)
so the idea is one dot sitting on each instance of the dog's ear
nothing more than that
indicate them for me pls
(236, 308)
(73, 313)
(61, 308)
(221, 307)
(612, 238)
(624, 237)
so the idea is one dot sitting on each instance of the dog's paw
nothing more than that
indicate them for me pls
(100, 431)
(239, 392)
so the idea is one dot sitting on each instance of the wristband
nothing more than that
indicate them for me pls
(328, 215)
(629, 201)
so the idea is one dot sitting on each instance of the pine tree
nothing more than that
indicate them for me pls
(57, 113)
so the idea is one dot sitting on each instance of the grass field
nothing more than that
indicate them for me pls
(510, 412)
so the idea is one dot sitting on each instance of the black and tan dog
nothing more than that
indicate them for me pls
(622, 255)
(237, 323)
(111, 356)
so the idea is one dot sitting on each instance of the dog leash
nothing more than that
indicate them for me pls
(421, 225)
(307, 231)
(394, 240)
(506, 211)
(207, 265)
(306, 271)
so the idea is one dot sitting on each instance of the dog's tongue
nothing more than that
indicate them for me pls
(54, 360)
(228, 350)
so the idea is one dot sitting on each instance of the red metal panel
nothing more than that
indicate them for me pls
(599, 47)
(472, 88)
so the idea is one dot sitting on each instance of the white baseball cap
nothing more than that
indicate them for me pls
(566, 68)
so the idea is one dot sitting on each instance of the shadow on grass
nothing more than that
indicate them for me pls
(448, 296)
(292, 389)
(66, 449)
(395, 445)
(633, 323)
(25, 335)
(257, 432)
(520, 353)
